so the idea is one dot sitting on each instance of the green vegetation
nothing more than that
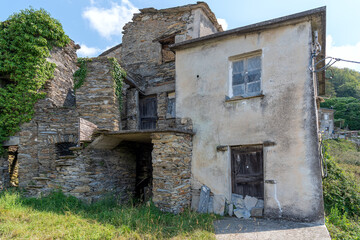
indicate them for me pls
(60, 217)
(342, 82)
(118, 75)
(81, 73)
(343, 90)
(347, 111)
(342, 190)
(26, 39)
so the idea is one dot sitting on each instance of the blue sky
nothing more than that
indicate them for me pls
(96, 24)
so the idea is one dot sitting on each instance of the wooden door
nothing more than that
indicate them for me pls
(148, 112)
(247, 173)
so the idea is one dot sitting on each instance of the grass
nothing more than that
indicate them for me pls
(342, 189)
(57, 216)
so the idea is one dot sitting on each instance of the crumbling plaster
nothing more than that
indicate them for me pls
(284, 115)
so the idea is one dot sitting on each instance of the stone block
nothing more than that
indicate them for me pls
(219, 204)
(211, 205)
(237, 200)
(242, 213)
(204, 199)
(257, 212)
(81, 189)
(250, 202)
(231, 209)
(260, 204)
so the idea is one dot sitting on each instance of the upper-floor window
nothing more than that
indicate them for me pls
(170, 113)
(166, 54)
(246, 77)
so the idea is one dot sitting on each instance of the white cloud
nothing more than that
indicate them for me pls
(86, 51)
(348, 52)
(223, 23)
(109, 22)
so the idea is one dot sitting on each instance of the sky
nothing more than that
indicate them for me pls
(96, 25)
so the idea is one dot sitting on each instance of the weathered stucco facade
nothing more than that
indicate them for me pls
(282, 118)
(179, 124)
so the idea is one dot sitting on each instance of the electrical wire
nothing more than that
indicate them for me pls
(330, 63)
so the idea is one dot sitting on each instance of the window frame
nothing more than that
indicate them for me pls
(171, 99)
(244, 57)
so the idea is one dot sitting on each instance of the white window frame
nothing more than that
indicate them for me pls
(240, 57)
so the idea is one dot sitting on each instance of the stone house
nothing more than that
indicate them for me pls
(233, 110)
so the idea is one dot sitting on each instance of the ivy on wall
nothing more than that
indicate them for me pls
(81, 73)
(26, 39)
(118, 75)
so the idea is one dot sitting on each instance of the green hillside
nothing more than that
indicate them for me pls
(343, 95)
(342, 189)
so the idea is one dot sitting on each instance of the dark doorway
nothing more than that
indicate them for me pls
(148, 112)
(143, 190)
(247, 173)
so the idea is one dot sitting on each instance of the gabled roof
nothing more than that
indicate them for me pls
(290, 19)
(203, 5)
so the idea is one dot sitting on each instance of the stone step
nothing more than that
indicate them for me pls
(75, 148)
(67, 157)
(41, 178)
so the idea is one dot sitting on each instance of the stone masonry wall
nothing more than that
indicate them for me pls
(4, 172)
(55, 120)
(171, 157)
(95, 99)
(141, 51)
(132, 114)
(60, 89)
(91, 174)
(37, 151)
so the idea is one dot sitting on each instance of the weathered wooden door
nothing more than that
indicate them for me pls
(148, 112)
(247, 173)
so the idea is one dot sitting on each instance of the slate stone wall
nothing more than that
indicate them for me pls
(171, 158)
(132, 107)
(91, 174)
(55, 120)
(37, 149)
(141, 49)
(96, 101)
(60, 89)
(4, 172)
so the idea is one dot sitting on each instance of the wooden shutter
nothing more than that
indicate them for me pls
(247, 171)
(148, 112)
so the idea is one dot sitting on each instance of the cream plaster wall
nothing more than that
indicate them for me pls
(286, 115)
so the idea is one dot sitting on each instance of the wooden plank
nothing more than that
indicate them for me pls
(165, 87)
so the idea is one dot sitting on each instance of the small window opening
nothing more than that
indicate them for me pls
(246, 77)
(13, 166)
(166, 54)
(63, 149)
(171, 105)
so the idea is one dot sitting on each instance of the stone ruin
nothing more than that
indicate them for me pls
(79, 142)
